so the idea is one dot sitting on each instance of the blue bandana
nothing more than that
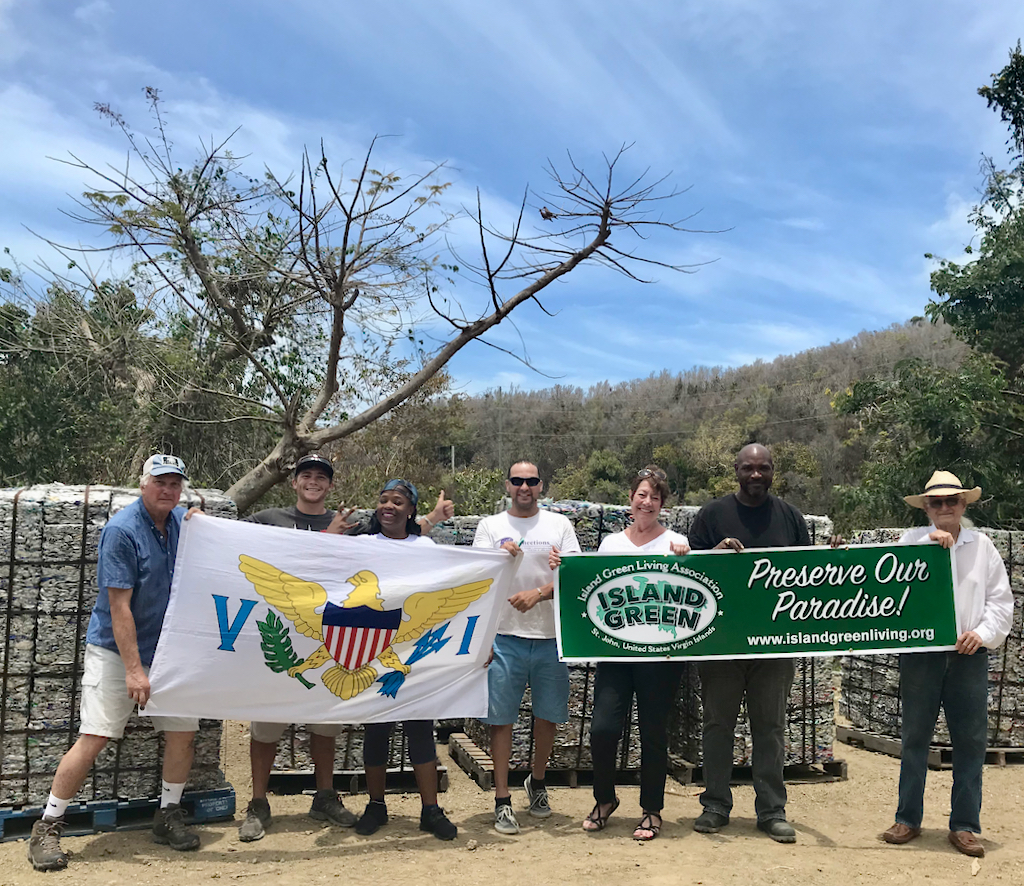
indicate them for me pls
(410, 490)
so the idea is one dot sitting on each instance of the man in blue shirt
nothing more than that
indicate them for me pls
(135, 566)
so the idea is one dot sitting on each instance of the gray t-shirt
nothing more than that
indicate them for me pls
(292, 518)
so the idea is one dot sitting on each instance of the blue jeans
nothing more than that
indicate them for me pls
(959, 683)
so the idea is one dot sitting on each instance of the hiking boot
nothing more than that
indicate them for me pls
(505, 819)
(44, 846)
(780, 830)
(434, 821)
(375, 815)
(257, 820)
(169, 829)
(538, 797)
(327, 806)
(709, 822)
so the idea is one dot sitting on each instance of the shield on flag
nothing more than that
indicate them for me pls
(357, 635)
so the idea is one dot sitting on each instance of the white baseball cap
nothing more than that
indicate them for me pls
(157, 465)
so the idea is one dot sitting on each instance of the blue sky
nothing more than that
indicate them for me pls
(836, 143)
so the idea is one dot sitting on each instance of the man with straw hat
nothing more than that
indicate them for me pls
(956, 680)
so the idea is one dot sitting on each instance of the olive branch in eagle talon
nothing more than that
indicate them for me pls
(298, 600)
(277, 647)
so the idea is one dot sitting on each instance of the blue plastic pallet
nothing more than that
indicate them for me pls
(97, 816)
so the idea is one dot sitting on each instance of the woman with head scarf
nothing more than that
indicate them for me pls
(395, 519)
(956, 681)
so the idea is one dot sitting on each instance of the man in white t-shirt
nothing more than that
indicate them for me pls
(525, 652)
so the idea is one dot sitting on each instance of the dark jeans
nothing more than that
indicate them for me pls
(959, 683)
(654, 684)
(418, 733)
(767, 683)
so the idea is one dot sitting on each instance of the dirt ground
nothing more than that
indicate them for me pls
(837, 826)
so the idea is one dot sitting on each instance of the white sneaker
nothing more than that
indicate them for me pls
(538, 797)
(505, 820)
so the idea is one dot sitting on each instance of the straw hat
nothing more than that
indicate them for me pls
(941, 484)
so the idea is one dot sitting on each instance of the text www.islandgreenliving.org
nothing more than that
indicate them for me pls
(838, 639)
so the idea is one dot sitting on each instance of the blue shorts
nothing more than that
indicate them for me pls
(519, 662)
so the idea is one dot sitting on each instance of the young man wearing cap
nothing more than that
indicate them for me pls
(312, 480)
(525, 652)
(956, 680)
(136, 561)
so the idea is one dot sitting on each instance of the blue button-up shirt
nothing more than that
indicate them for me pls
(135, 554)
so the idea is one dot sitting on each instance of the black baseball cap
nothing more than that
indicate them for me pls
(314, 461)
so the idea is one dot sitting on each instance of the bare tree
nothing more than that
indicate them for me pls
(315, 303)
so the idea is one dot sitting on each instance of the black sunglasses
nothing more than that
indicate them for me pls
(647, 472)
(519, 481)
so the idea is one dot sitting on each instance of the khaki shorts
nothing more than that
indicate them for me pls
(270, 733)
(106, 705)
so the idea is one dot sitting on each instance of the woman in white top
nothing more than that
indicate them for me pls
(395, 519)
(654, 683)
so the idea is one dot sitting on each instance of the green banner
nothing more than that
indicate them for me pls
(769, 602)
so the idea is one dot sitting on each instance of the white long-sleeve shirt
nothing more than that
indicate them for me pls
(982, 597)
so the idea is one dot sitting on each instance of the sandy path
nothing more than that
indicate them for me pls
(837, 827)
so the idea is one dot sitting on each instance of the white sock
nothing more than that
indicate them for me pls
(55, 807)
(170, 794)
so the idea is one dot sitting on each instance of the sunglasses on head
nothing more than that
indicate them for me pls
(519, 481)
(647, 472)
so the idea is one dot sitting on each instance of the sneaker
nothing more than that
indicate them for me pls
(169, 829)
(780, 830)
(44, 846)
(257, 819)
(505, 819)
(327, 806)
(538, 797)
(375, 815)
(434, 821)
(709, 822)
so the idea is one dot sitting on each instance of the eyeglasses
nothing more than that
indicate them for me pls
(937, 503)
(643, 473)
(519, 481)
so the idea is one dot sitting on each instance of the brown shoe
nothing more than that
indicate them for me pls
(900, 833)
(967, 843)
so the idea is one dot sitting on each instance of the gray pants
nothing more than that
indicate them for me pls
(767, 683)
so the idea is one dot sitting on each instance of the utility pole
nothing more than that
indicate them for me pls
(501, 454)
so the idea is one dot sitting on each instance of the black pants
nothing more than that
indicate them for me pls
(419, 734)
(654, 684)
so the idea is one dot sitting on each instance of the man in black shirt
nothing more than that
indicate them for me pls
(751, 517)
(312, 481)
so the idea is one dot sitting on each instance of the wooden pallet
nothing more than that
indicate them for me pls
(796, 773)
(118, 815)
(939, 756)
(479, 766)
(351, 781)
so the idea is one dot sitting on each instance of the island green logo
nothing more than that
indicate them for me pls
(652, 607)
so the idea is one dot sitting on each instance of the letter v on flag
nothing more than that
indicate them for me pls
(315, 628)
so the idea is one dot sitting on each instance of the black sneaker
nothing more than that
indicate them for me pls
(257, 820)
(169, 829)
(375, 815)
(44, 845)
(327, 806)
(434, 821)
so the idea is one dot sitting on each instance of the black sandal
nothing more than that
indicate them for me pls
(596, 818)
(647, 824)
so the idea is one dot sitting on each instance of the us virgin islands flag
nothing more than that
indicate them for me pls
(270, 624)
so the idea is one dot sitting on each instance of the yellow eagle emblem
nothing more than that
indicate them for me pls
(359, 631)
